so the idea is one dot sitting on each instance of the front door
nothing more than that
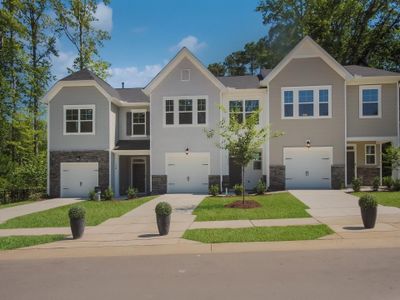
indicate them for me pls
(351, 164)
(139, 175)
(235, 172)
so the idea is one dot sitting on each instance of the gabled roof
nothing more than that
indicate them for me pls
(132, 95)
(368, 71)
(307, 47)
(182, 54)
(240, 82)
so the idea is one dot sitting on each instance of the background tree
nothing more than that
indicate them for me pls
(76, 19)
(217, 69)
(242, 139)
(235, 63)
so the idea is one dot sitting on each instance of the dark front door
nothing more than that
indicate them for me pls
(235, 173)
(139, 176)
(350, 166)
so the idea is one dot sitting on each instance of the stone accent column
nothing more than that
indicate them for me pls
(214, 179)
(367, 174)
(58, 157)
(159, 184)
(337, 176)
(277, 177)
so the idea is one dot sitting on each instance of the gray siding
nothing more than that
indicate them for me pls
(76, 96)
(321, 132)
(177, 139)
(384, 126)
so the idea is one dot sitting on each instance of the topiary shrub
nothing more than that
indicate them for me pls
(376, 183)
(367, 201)
(108, 194)
(132, 192)
(163, 209)
(238, 188)
(388, 182)
(260, 187)
(213, 190)
(76, 212)
(92, 195)
(356, 184)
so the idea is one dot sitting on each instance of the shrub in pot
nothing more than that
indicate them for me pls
(92, 195)
(376, 183)
(77, 221)
(369, 208)
(356, 184)
(132, 192)
(163, 214)
(213, 190)
(388, 182)
(260, 187)
(238, 188)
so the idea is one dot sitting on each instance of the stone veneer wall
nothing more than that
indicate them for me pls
(276, 178)
(159, 184)
(58, 157)
(367, 174)
(337, 176)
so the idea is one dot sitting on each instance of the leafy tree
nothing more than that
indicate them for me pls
(242, 140)
(392, 157)
(76, 19)
(217, 69)
(235, 63)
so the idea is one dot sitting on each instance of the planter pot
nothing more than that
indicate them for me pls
(369, 216)
(163, 224)
(77, 227)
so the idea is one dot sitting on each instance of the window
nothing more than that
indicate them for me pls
(306, 102)
(257, 161)
(201, 111)
(169, 112)
(138, 123)
(185, 111)
(78, 119)
(370, 154)
(236, 109)
(185, 75)
(370, 101)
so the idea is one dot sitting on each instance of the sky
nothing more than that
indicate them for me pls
(145, 35)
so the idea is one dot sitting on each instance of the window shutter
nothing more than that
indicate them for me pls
(129, 123)
(148, 123)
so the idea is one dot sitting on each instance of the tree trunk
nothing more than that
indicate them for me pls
(243, 184)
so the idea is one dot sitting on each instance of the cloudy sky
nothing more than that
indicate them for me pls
(145, 35)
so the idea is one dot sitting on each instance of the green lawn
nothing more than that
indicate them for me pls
(96, 213)
(14, 242)
(15, 204)
(258, 234)
(274, 206)
(384, 198)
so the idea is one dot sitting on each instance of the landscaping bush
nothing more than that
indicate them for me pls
(132, 192)
(261, 187)
(396, 185)
(35, 196)
(376, 183)
(163, 209)
(356, 184)
(367, 201)
(388, 182)
(213, 190)
(76, 212)
(92, 195)
(238, 188)
(108, 194)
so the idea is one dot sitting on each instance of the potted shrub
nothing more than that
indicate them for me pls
(132, 192)
(214, 190)
(163, 213)
(260, 188)
(369, 208)
(356, 184)
(108, 194)
(77, 221)
(92, 195)
(376, 183)
(238, 188)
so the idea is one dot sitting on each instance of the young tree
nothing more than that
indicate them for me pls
(76, 19)
(392, 157)
(241, 138)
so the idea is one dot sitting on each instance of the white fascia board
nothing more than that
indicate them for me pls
(358, 80)
(371, 138)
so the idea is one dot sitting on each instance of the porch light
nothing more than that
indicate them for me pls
(308, 144)
(187, 151)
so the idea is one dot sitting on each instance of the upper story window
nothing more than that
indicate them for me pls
(257, 162)
(185, 75)
(185, 111)
(370, 154)
(79, 119)
(242, 109)
(306, 102)
(138, 123)
(370, 101)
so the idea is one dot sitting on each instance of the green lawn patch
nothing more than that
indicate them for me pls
(15, 204)
(96, 213)
(258, 234)
(384, 198)
(14, 242)
(273, 206)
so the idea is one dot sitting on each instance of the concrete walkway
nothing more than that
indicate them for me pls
(25, 209)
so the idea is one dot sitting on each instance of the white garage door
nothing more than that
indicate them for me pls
(77, 179)
(188, 173)
(308, 168)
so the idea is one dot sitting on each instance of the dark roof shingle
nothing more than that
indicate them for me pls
(368, 71)
(240, 82)
(132, 95)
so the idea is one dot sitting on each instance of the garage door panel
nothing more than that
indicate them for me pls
(77, 179)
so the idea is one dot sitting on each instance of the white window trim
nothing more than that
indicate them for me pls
(79, 107)
(360, 101)
(366, 154)
(194, 111)
(315, 90)
(244, 107)
(258, 160)
(145, 127)
(185, 70)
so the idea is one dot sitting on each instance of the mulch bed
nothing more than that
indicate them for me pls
(246, 204)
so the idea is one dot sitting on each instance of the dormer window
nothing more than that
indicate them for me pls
(185, 75)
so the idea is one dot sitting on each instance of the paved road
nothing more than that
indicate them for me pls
(339, 274)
